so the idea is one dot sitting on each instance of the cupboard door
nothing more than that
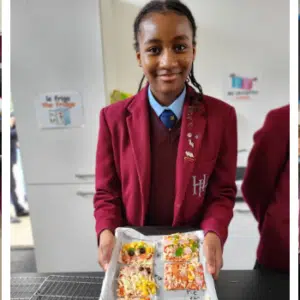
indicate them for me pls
(243, 222)
(63, 227)
(243, 237)
(240, 253)
(53, 54)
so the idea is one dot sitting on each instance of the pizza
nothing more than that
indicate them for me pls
(147, 298)
(184, 276)
(137, 252)
(181, 247)
(136, 282)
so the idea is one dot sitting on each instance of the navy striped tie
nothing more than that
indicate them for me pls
(168, 118)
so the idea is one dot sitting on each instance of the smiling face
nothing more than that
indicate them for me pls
(166, 52)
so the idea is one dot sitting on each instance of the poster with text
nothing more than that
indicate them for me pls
(241, 87)
(60, 110)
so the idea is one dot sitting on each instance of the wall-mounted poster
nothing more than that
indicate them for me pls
(60, 110)
(240, 87)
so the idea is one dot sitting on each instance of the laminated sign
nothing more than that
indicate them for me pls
(241, 87)
(60, 110)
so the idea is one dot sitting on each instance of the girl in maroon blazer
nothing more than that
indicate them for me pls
(166, 156)
(266, 189)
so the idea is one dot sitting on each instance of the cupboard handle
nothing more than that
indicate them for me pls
(242, 150)
(85, 193)
(243, 211)
(82, 175)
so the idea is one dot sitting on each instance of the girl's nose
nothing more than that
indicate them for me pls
(168, 59)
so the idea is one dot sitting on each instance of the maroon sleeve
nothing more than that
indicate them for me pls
(265, 162)
(107, 199)
(221, 191)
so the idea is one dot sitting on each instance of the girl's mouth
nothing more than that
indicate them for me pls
(169, 77)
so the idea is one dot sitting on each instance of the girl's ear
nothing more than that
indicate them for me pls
(138, 58)
(194, 52)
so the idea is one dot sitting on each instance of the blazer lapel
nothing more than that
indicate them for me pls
(193, 126)
(139, 133)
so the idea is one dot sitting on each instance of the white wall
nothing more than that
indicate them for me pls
(229, 40)
(220, 56)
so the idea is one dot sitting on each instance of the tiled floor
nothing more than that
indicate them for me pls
(21, 233)
(22, 244)
(22, 261)
(22, 247)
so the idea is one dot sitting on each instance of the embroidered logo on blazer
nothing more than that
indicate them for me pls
(199, 186)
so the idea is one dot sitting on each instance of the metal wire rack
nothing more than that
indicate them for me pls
(56, 287)
(23, 288)
(69, 287)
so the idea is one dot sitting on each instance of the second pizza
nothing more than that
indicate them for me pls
(184, 276)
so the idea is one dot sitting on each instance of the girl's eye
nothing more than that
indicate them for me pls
(154, 50)
(180, 48)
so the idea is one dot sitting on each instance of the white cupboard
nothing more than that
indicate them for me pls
(63, 229)
(240, 248)
(56, 46)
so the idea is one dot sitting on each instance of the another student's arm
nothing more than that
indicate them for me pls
(264, 164)
(107, 199)
(221, 190)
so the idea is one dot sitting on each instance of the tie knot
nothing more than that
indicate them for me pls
(168, 118)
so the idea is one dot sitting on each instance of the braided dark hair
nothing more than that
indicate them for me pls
(163, 6)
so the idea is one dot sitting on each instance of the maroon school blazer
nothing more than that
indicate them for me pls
(205, 165)
(266, 188)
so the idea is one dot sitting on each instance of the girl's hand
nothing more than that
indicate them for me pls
(106, 246)
(213, 254)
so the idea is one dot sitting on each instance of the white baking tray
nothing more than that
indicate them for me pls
(127, 235)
